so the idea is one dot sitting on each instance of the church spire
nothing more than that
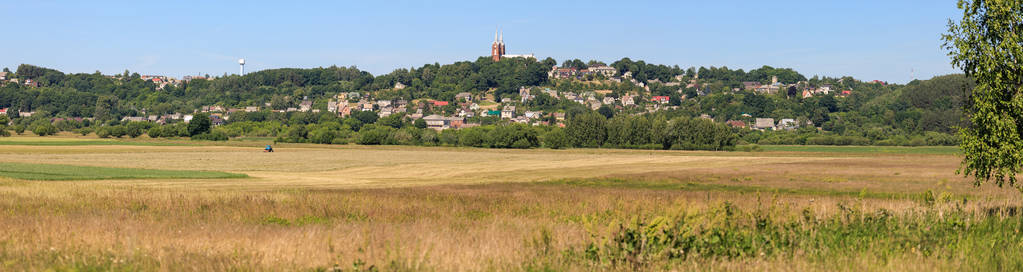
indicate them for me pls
(495, 35)
(502, 37)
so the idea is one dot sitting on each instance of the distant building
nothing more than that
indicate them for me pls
(604, 70)
(508, 112)
(787, 124)
(660, 99)
(562, 72)
(438, 122)
(736, 124)
(332, 106)
(627, 100)
(609, 100)
(764, 123)
(497, 48)
(750, 85)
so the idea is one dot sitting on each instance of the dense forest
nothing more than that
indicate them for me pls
(922, 112)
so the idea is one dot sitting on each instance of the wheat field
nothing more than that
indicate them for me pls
(322, 207)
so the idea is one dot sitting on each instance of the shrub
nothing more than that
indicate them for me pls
(200, 124)
(84, 131)
(103, 132)
(374, 135)
(556, 139)
(323, 135)
(45, 129)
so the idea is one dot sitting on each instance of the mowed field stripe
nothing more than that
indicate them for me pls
(28, 171)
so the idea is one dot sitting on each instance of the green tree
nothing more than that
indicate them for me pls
(587, 129)
(606, 111)
(987, 45)
(200, 124)
(556, 139)
(44, 130)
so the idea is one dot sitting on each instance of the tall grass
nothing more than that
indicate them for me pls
(87, 226)
(976, 242)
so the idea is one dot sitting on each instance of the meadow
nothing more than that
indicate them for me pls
(360, 208)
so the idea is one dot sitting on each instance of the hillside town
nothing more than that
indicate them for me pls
(468, 109)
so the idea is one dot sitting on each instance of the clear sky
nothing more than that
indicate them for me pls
(867, 39)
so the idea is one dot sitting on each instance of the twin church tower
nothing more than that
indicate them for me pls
(497, 49)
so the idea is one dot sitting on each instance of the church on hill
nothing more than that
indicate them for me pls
(497, 49)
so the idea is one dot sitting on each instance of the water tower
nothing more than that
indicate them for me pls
(241, 64)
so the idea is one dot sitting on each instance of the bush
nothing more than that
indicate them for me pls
(3, 131)
(19, 129)
(45, 129)
(474, 137)
(84, 131)
(200, 124)
(429, 137)
(449, 137)
(103, 132)
(323, 135)
(375, 135)
(556, 139)
(136, 129)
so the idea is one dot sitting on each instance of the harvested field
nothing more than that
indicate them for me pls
(309, 207)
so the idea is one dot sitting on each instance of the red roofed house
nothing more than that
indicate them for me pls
(736, 124)
(440, 103)
(846, 93)
(660, 99)
(3, 111)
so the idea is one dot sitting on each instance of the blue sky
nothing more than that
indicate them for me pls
(866, 39)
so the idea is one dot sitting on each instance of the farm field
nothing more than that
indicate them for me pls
(320, 207)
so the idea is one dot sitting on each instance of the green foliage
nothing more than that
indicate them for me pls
(987, 45)
(727, 232)
(4, 132)
(556, 138)
(587, 129)
(136, 129)
(200, 124)
(375, 135)
(699, 134)
(71, 172)
(84, 131)
(514, 136)
(19, 129)
(44, 128)
(475, 137)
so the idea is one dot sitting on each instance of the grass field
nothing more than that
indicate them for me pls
(28, 171)
(319, 207)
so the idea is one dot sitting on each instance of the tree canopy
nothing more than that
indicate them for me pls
(987, 44)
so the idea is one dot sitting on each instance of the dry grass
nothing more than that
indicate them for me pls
(416, 208)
